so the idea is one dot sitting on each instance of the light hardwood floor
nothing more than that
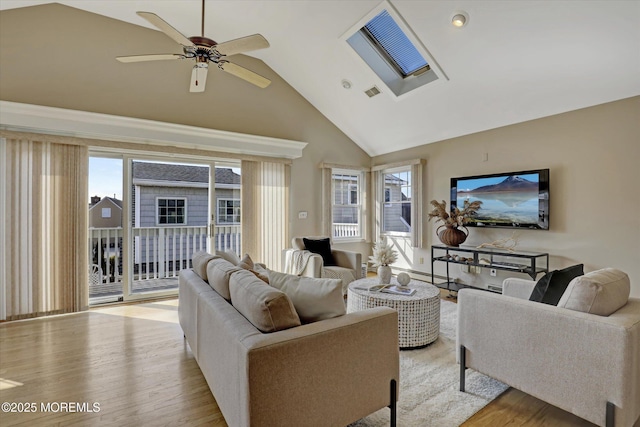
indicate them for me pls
(133, 361)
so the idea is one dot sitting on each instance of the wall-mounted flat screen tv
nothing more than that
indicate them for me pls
(510, 199)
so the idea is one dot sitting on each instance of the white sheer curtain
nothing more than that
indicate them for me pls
(265, 208)
(44, 228)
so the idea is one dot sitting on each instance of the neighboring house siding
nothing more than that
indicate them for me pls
(95, 215)
(197, 208)
(393, 214)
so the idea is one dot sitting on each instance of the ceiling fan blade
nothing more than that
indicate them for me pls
(244, 74)
(198, 78)
(166, 28)
(141, 58)
(243, 44)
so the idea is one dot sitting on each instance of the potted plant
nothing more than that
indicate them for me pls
(383, 255)
(452, 235)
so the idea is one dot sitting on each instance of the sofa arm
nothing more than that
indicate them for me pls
(573, 360)
(348, 259)
(332, 372)
(518, 288)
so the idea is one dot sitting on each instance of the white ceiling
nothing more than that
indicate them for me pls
(514, 61)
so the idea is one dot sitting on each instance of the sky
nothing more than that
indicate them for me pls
(105, 177)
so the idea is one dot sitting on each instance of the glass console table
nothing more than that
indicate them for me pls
(531, 263)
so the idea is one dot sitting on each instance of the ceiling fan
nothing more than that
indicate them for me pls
(205, 51)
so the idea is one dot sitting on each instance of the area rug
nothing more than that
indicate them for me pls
(429, 384)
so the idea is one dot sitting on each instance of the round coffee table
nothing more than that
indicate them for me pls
(418, 314)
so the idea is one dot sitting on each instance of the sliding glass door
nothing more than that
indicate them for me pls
(149, 215)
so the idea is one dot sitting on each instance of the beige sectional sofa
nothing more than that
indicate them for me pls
(330, 372)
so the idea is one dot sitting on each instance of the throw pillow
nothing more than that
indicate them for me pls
(552, 285)
(321, 247)
(267, 308)
(246, 262)
(229, 256)
(219, 271)
(600, 292)
(314, 299)
(199, 261)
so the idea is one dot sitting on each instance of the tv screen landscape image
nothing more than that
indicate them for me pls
(512, 199)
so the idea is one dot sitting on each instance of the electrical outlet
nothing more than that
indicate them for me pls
(493, 272)
(421, 260)
(302, 215)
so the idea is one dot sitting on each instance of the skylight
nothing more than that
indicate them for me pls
(385, 42)
(392, 40)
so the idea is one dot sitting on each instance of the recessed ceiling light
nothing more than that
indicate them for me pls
(346, 84)
(460, 19)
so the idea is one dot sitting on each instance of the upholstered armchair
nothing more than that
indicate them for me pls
(585, 363)
(301, 261)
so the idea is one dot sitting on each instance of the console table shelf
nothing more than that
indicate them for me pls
(531, 263)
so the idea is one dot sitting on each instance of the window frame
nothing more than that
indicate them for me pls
(386, 204)
(360, 175)
(168, 224)
(239, 214)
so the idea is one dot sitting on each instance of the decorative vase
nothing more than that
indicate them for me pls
(384, 274)
(451, 235)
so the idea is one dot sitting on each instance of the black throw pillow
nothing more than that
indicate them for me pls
(321, 247)
(552, 285)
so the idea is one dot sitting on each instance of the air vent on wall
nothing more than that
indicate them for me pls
(371, 92)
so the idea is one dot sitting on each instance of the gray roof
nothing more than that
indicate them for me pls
(184, 173)
(115, 201)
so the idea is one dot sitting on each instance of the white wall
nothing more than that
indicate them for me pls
(594, 159)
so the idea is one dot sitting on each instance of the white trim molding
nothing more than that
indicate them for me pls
(59, 121)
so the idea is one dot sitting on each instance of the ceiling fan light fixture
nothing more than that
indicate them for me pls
(459, 19)
(199, 77)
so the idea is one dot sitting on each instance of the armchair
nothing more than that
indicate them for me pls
(584, 363)
(301, 262)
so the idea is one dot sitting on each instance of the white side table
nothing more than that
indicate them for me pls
(418, 314)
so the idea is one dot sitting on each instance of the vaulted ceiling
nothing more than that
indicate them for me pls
(514, 60)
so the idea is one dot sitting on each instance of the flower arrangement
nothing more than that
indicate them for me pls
(457, 218)
(383, 254)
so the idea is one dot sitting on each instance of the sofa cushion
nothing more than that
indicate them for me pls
(219, 271)
(199, 261)
(600, 292)
(552, 285)
(314, 299)
(229, 256)
(267, 308)
(321, 247)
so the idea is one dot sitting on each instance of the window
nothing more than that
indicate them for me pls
(396, 211)
(106, 212)
(172, 211)
(392, 51)
(228, 211)
(396, 46)
(346, 209)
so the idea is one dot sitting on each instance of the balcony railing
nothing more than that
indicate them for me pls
(346, 230)
(159, 253)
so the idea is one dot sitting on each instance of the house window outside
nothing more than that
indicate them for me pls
(346, 208)
(106, 212)
(172, 211)
(228, 211)
(396, 211)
